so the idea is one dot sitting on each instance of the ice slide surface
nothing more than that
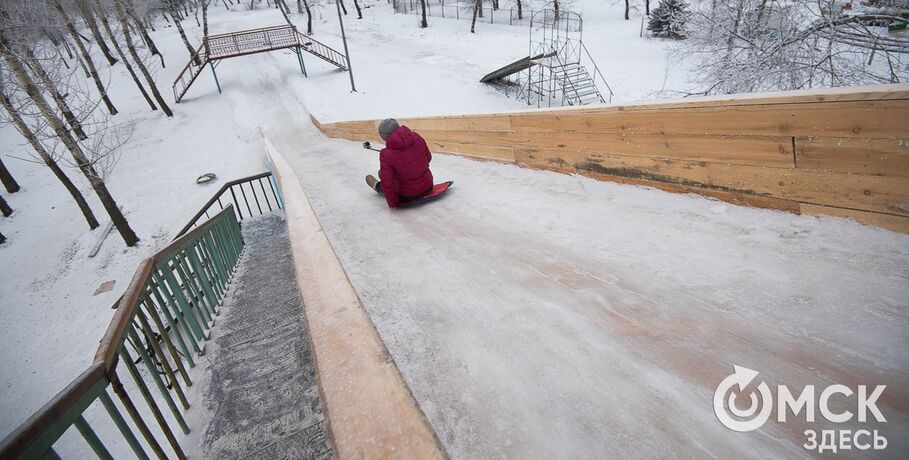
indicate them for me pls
(542, 315)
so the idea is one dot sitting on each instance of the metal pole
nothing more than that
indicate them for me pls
(212, 65)
(353, 88)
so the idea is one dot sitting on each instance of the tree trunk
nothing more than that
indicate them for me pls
(2, 238)
(4, 207)
(145, 37)
(647, 7)
(284, 9)
(29, 135)
(85, 56)
(299, 7)
(473, 23)
(89, 19)
(118, 9)
(205, 20)
(174, 14)
(7, 179)
(360, 12)
(343, 8)
(308, 17)
(520, 10)
(129, 67)
(18, 69)
(49, 85)
(423, 23)
(555, 6)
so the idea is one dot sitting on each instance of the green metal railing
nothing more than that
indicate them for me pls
(164, 317)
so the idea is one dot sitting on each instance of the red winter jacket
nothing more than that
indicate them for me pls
(404, 166)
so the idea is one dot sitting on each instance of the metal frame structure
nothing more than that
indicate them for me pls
(556, 76)
(216, 48)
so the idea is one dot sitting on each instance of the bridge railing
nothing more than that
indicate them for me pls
(161, 322)
(250, 196)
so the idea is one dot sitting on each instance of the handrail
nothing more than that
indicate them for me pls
(182, 283)
(126, 309)
(565, 78)
(216, 198)
(596, 71)
(21, 440)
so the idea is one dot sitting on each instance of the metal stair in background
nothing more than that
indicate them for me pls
(578, 86)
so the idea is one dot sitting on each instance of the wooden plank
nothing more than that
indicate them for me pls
(775, 152)
(492, 122)
(888, 221)
(872, 119)
(473, 150)
(871, 193)
(818, 95)
(887, 157)
(369, 409)
(744, 199)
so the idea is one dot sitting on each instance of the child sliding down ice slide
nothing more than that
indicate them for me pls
(404, 175)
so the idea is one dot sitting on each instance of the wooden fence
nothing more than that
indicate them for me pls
(839, 152)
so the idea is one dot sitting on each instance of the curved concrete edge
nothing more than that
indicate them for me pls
(369, 409)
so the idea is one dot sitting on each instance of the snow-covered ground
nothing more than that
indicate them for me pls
(552, 301)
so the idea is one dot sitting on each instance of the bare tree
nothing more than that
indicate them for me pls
(92, 24)
(9, 182)
(18, 69)
(51, 87)
(423, 23)
(473, 23)
(773, 45)
(86, 57)
(205, 20)
(129, 67)
(130, 10)
(172, 8)
(118, 9)
(29, 135)
(5, 209)
(308, 15)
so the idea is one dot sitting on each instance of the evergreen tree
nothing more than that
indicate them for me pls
(669, 19)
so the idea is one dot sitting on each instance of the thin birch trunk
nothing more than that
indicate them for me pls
(89, 19)
(85, 56)
(55, 168)
(129, 67)
(118, 9)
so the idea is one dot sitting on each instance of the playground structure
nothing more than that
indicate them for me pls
(558, 65)
(216, 48)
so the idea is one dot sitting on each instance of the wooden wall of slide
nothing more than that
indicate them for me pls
(840, 152)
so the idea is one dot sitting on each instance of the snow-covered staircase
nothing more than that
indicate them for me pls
(578, 86)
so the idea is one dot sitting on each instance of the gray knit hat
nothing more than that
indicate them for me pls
(388, 126)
